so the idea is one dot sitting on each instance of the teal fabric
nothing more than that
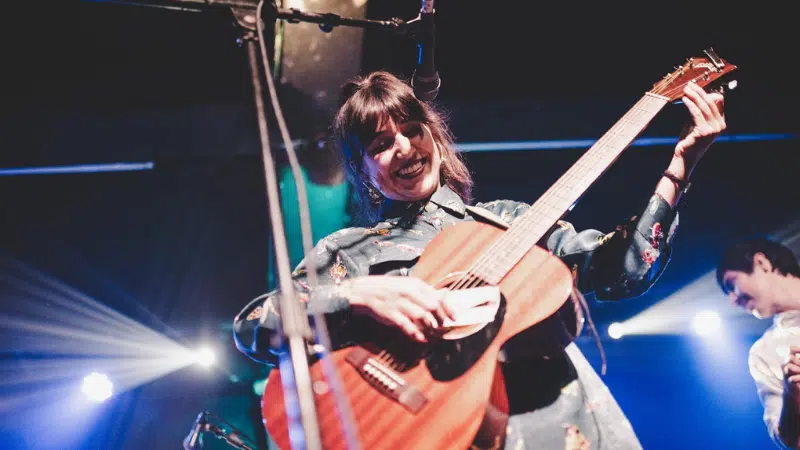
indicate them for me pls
(327, 207)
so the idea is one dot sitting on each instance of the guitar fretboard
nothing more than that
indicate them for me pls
(529, 228)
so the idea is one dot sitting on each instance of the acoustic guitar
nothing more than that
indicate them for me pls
(449, 392)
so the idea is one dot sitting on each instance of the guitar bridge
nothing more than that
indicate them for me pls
(386, 380)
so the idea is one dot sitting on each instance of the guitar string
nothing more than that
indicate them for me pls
(575, 178)
(589, 160)
(471, 279)
(472, 276)
(545, 208)
(492, 253)
(588, 163)
(517, 233)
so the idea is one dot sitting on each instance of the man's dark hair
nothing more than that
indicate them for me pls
(739, 257)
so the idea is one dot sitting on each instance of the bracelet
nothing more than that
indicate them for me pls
(682, 185)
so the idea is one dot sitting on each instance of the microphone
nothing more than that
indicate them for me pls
(192, 440)
(426, 81)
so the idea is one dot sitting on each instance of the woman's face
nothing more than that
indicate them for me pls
(403, 161)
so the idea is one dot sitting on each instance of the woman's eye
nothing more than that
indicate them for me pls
(413, 131)
(384, 144)
(380, 146)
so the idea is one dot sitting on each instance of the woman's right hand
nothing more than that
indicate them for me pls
(405, 302)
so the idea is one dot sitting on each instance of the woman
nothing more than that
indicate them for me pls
(411, 184)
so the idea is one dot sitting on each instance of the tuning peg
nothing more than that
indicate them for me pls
(729, 86)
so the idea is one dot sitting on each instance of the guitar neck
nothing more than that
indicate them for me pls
(529, 228)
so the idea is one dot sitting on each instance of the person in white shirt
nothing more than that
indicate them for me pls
(763, 277)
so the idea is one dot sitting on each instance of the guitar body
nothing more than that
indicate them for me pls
(405, 395)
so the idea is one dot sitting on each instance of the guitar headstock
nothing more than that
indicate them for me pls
(702, 70)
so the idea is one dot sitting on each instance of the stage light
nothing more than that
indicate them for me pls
(80, 168)
(97, 387)
(83, 335)
(586, 143)
(204, 357)
(615, 330)
(706, 323)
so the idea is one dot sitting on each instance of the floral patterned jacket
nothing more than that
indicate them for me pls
(620, 264)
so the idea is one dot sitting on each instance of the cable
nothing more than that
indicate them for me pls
(319, 325)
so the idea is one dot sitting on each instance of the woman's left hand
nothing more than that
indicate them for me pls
(708, 114)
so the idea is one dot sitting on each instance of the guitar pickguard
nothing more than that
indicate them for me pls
(449, 359)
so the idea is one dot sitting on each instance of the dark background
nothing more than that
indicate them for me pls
(183, 247)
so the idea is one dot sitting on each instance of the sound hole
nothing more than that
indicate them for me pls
(446, 358)
(450, 358)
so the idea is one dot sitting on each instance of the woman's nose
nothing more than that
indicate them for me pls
(403, 144)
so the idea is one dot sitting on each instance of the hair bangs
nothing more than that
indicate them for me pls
(367, 105)
(370, 109)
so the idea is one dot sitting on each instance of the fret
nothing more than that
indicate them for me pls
(530, 227)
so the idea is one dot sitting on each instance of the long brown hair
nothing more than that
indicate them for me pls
(366, 102)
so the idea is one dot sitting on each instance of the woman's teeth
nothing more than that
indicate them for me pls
(413, 168)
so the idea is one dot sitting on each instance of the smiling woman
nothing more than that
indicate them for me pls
(414, 193)
(383, 130)
(404, 161)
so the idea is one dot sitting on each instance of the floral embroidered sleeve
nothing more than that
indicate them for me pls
(622, 264)
(257, 338)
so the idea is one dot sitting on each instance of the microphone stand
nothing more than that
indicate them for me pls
(294, 324)
(326, 21)
(232, 440)
(294, 320)
(205, 424)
